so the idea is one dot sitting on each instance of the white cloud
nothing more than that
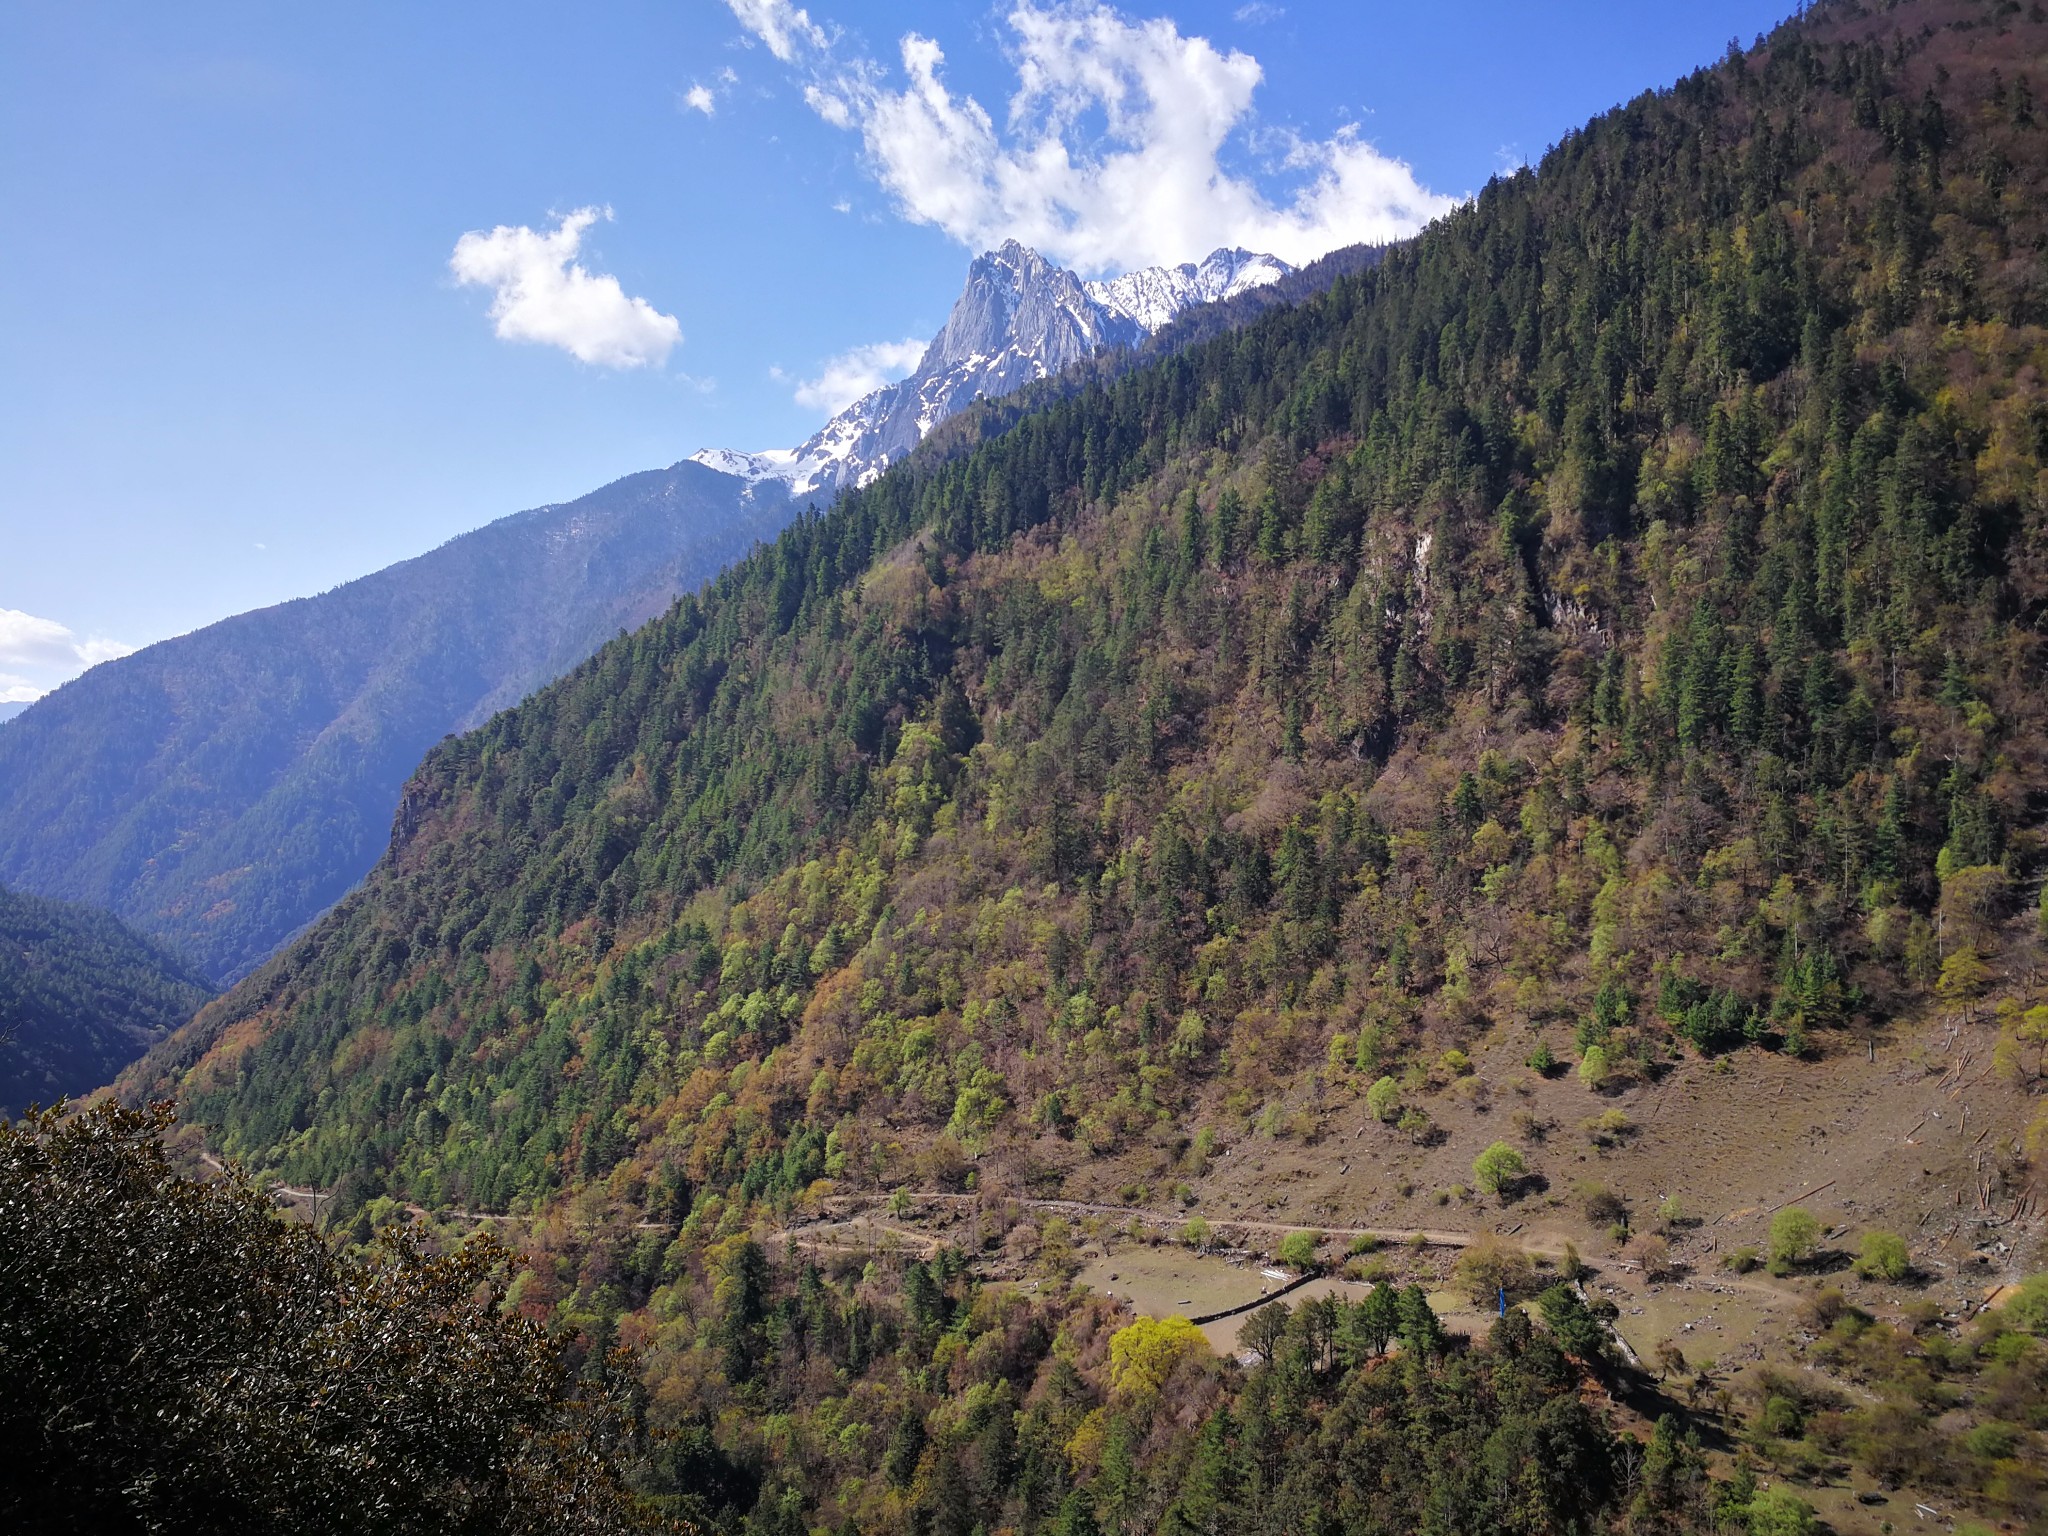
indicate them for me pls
(98, 649)
(783, 27)
(705, 98)
(539, 292)
(45, 653)
(1110, 153)
(1258, 13)
(859, 372)
(26, 640)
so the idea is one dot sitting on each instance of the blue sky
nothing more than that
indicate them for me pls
(240, 366)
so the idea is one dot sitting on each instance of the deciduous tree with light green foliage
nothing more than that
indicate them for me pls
(1499, 1168)
(1383, 1100)
(1593, 1067)
(1884, 1257)
(1144, 1354)
(1298, 1250)
(1795, 1234)
(2027, 1310)
(1780, 1512)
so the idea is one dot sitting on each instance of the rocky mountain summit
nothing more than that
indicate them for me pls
(1018, 319)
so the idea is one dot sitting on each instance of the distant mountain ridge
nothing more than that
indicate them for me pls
(219, 790)
(1019, 319)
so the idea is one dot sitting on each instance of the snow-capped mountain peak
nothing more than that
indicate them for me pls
(1154, 295)
(1018, 319)
(770, 464)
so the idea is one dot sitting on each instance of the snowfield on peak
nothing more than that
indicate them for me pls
(770, 464)
(1154, 295)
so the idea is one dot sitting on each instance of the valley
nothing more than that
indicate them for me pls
(1493, 793)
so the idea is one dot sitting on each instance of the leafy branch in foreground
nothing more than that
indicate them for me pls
(179, 1357)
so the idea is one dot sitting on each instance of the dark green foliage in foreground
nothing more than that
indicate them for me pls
(80, 997)
(178, 1358)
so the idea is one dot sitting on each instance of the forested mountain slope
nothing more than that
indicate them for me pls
(220, 790)
(1607, 632)
(81, 996)
(1646, 564)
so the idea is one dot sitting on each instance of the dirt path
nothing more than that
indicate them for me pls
(1429, 1237)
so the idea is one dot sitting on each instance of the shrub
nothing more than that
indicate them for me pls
(1884, 1257)
(1654, 1254)
(1776, 1512)
(1781, 1418)
(1541, 1060)
(1499, 1168)
(1571, 1266)
(1298, 1250)
(1196, 1234)
(1491, 1265)
(1741, 1261)
(2027, 1311)
(1603, 1207)
(1607, 1128)
(1992, 1442)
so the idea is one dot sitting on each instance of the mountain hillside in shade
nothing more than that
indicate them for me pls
(81, 996)
(220, 790)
